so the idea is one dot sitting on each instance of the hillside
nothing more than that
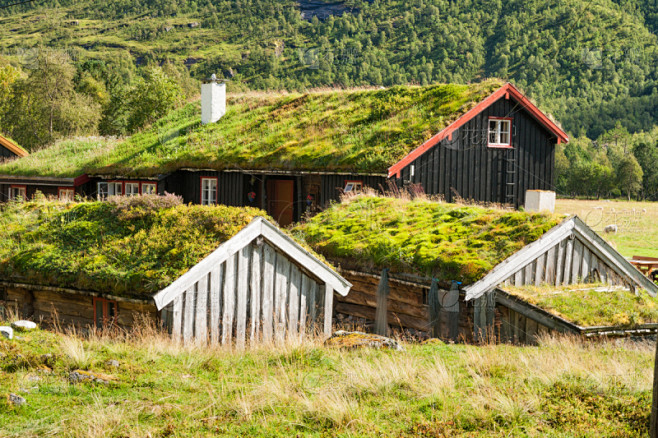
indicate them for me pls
(591, 63)
(561, 388)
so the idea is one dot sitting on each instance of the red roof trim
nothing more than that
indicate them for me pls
(82, 179)
(506, 90)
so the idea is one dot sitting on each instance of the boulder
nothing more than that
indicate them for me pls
(7, 332)
(352, 340)
(81, 376)
(16, 400)
(23, 326)
(112, 363)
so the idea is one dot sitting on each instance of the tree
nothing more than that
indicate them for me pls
(629, 175)
(647, 157)
(153, 97)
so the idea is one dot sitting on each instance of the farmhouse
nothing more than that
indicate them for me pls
(466, 272)
(218, 274)
(294, 153)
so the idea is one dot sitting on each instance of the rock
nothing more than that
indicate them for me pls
(351, 340)
(23, 326)
(193, 24)
(7, 332)
(33, 378)
(17, 400)
(112, 363)
(80, 376)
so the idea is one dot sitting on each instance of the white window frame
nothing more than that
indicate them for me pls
(106, 189)
(20, 194)
(149, 189)
(499, 133)
(209, 191)
(353, 186)
(66, 194)
(131, 188)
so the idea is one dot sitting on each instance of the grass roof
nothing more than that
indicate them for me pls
(338, 130)
(592, 305)
(128, 246)
(447, 241)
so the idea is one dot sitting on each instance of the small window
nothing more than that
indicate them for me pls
(18, 193)
(149, 188)
(115, 188)
(208, 191)
(67, 195)
(105, 312)
(353, 186)
(132, 189)
(103, 191)
(500, 133)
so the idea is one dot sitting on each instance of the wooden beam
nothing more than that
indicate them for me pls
(216, 283)
(242, 295)
(539, 315)
(435, 308)
(381, 310)
(269, 261)
(256, 286)
(201, 316)
(229, 300)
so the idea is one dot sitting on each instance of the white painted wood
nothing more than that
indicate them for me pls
(216, 282)
(293, 301)
(269, 261)
(281, 297)
(540, 266)
(229, 299)
(188, 315)
(255, 293)
(177, 318)
(201, 314)
(303, 304)
(568, 261)
(328, 309)
(242, 292)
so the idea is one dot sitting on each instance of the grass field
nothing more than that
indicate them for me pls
(637, 223)
(563, 388)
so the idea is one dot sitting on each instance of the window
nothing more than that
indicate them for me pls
(66, 194)
(353, 186)
(500, 133)
(18, 193)
(149, 188)
(132, 189)
(106, 189)
(105, 312)
(208, 191)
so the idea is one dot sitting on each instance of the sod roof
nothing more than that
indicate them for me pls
(446, 241)
(128, 246)
(591, 305)
(339, 130)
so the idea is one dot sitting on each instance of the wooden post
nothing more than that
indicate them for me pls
(381, 311)
(435, 308)
(653, 425)
(451, 308)
(328, 309)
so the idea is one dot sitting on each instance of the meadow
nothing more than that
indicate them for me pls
(564, 387)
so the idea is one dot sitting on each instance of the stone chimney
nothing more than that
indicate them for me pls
(213, 100)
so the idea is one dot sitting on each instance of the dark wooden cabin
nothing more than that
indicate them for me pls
(493, 153)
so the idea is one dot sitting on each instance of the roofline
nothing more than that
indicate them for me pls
(39, 180)
(13, 147)
(506, 90)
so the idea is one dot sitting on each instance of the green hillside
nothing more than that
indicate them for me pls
(590, 63)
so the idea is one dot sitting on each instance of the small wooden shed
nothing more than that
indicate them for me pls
(259, 286)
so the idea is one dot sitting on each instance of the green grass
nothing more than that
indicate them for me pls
(563, 388)
(126, 246)
(448, 241)
(586, 307)
(357, 130)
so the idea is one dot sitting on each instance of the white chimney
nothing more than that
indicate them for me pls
(213, 101)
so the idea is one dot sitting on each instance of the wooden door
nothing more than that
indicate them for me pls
(280, 198)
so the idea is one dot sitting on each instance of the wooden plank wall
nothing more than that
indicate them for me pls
(568, 262)
(256, 295)
(515, 328)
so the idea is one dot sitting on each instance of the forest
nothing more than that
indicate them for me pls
(123, 64)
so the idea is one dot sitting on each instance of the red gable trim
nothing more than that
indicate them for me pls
(81, 180)
(506, 90)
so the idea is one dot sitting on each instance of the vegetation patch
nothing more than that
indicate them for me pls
(448, 241)
(126, 246)
(590, 305)
(355, 130)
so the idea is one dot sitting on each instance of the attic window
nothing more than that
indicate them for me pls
(500, 132)
(18, 193)
(105, 312)
(353, 186)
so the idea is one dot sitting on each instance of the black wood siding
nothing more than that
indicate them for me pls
(6, 153)
(468, 168)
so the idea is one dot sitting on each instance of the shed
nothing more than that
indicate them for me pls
(259, 285)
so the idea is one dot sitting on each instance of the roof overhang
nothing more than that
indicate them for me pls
(13, 147)
(37, 180)
(508, 90)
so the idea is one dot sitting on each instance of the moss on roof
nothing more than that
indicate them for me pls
(591, 305)
(447, 241)
(129, 246)
(346, 130)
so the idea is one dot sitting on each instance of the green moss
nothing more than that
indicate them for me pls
(451, 242)
(365, 131)
(590, 305)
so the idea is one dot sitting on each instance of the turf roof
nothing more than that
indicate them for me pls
(447, 241)
(591, 305)
(339, 130)
(128, 246)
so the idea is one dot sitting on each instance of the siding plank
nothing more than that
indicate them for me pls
(242, 292)
(269, 267)
(216, 281)
(255, 293)
(229, 300)
(201, 319)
